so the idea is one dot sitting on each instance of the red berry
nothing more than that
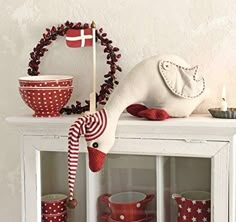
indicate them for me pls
(86, 25)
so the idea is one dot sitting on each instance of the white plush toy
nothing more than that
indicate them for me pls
(157, 88)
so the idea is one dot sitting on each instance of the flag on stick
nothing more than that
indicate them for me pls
(93, 94)
(76, 38)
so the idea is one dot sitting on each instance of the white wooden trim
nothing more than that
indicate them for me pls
(32, 182)
(94, 190)
(38, 184)
(23, 189)
(195, 120)
(90, 194)
(196, 126)
(219, 185)
(160, 189)
(173, 188)
(232, 180)
(159, 147)
(54, 143)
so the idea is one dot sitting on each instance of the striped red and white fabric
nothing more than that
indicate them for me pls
(76, 38)
(91, 126)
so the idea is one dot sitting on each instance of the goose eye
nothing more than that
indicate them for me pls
(166, 66)
(95, 145)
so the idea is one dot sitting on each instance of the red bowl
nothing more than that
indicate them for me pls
(46, 101)
(108, 218)
(127, 206)
(45, 81)
(62, 217)
(53, 204)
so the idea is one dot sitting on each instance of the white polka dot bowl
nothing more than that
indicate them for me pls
(147, 218)
(46, 101)
(60, 217)
(45, 81)
(53, 204)
(127, 206)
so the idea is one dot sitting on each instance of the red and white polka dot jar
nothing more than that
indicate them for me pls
(53, 204)
(45, 81)
(62, 217)
(127, 206)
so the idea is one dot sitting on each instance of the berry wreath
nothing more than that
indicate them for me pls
(112, 52)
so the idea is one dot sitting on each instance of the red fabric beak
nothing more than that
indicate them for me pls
(96, 159)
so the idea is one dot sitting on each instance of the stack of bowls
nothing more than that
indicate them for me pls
(127, 207)
(54, 208)
(46, 94)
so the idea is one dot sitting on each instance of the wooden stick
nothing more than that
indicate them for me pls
(93, 94)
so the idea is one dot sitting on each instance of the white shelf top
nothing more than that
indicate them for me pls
(195, 120)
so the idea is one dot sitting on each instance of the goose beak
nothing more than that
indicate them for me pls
(96, 159)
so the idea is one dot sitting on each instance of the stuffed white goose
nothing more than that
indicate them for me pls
(165, 84)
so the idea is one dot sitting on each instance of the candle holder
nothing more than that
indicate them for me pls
(230, 113)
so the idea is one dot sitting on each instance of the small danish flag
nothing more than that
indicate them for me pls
(76, 38)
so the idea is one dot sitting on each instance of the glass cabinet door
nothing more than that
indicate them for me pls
(54, 181)
(140, 188)
(129, 188)
(161, 180)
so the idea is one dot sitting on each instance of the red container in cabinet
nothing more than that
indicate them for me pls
(127, 206)
(193, 206)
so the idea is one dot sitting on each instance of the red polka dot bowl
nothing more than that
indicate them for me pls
(127, 206)
(46, 101)
(53, 204)
(61, 217)
(108, 218)
(45, 81)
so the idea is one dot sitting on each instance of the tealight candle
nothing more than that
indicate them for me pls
(224, 105)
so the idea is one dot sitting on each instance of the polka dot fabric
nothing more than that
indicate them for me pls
(46, 101)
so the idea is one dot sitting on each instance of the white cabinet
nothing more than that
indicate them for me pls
(147, 155)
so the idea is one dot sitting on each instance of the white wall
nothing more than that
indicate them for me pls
(203, 32)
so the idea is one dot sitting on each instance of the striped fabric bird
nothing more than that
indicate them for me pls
(166, 84)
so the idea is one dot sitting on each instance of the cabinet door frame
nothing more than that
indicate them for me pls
(217, 151)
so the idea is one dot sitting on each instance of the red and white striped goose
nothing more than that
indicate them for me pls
(166, 84)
